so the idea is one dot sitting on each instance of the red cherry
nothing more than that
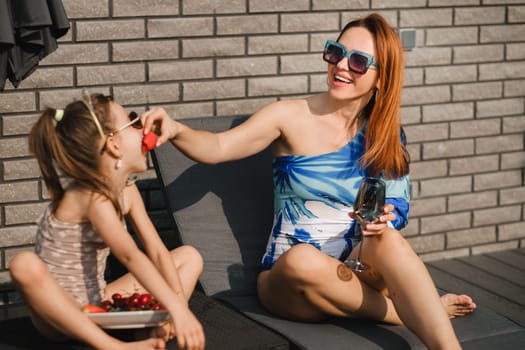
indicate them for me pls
(116, 297)
(144, 299)
(133, 302)
(149, 141)
(106, 304)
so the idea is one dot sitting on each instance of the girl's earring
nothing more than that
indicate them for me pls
(118, 163)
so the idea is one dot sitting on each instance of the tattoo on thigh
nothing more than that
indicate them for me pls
(343, 272)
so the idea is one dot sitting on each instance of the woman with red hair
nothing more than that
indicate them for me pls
(324, 146)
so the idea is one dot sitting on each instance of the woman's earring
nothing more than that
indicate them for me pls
(118, 163)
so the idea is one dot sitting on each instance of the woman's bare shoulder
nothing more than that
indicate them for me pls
(293, 105)
(283, 111)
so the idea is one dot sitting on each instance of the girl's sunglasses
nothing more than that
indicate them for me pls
(134, 121)
(358, 61)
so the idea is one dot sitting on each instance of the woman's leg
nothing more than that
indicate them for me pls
(305, 284)
(409, 285)
(56, 313)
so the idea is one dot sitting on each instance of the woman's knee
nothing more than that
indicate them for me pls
(390, 243)
(391, 239)
(302, 262)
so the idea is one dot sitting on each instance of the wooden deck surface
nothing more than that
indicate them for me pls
(495, 280)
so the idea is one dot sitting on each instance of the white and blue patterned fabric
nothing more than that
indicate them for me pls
(315, 194)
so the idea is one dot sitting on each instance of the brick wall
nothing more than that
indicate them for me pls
(463, 102)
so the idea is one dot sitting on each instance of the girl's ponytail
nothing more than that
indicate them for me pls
(45, 145)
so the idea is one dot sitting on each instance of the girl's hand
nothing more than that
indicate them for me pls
(378, 226)
(188, 330)
(166, 126)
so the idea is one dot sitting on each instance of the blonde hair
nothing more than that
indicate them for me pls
(70, 147)
(385, 152)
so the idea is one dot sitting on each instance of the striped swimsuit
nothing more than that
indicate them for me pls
(75, 255)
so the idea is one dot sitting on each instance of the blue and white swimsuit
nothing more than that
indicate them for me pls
(313, 196)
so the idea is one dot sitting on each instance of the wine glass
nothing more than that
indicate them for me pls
(368, 206)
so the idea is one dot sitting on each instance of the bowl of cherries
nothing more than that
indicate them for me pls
(133, 302)
(131, 311)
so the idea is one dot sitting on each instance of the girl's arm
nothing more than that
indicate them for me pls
(106, 222)
(153, 245)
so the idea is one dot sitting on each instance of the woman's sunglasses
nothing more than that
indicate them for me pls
(358, 61)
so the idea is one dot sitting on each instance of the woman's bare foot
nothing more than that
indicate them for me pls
(457, 305)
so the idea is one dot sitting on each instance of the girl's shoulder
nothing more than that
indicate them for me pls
(129, 197)
(74, 206)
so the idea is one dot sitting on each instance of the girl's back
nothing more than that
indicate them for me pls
(75, 254)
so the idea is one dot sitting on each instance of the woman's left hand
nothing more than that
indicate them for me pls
(378, 226)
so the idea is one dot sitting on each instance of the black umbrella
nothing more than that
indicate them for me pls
(29, 30)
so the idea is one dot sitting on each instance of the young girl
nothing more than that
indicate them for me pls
(87, 153)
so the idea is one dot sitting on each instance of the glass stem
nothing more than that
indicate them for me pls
(360, 245)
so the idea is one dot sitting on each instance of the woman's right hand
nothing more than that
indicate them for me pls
(166, 127)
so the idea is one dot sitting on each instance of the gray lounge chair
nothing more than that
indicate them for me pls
(226, 211)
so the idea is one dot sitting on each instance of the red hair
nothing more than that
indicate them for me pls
(385, 152)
